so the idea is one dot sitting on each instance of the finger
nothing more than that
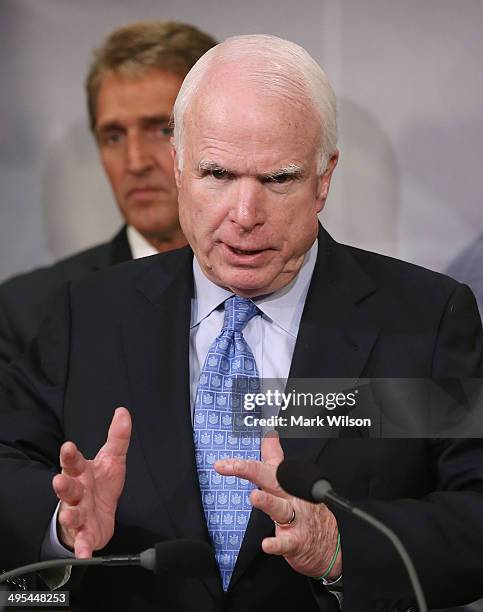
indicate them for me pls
(119, 434)
(72, 460)
(83, 547)
(260, 474)
(278, 509)
(285, 544)
(271, 450)
(68, 489)
(71, 518)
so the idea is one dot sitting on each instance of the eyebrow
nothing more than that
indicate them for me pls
(209, 166)
(115, 124)
(291, 170)
(156, 119)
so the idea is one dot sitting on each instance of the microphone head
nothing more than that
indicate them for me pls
(299, 479)
(182, 557)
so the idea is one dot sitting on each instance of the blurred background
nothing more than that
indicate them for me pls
(410, 88)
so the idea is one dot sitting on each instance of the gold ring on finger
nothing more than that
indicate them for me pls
(289, 522)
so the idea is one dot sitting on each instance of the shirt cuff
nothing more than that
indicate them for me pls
(326, 582)
(53, 549)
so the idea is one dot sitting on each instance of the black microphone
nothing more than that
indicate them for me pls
(304, 480)
(186, 557)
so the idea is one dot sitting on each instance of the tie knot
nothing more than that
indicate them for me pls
(238, 311)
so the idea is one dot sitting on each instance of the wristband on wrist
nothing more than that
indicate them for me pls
(332, 561)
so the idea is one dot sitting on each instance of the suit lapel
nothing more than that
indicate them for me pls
(335, 337)
(156, 343)
(334, 340)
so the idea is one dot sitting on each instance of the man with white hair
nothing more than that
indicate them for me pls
(262, 292)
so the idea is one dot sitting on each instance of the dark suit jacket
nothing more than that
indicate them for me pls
(25, 299)
(121, 337)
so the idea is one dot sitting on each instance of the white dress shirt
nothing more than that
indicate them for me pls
(138, 244)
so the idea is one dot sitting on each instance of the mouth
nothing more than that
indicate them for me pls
(239, 256)
(140, 192)
(246, 251)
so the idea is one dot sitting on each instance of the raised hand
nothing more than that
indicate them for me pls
(308, 539)
(89, 489)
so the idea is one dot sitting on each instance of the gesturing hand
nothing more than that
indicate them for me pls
(309, 542)
(89, 489)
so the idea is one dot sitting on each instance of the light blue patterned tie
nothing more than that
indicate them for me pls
(229, 371)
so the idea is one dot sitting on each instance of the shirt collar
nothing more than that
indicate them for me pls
(138, 244)
(284, 307)
(207, 295)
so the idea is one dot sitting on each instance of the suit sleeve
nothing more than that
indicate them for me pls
(31, 432)
(443, 531)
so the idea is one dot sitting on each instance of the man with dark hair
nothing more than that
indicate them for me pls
(131, 88)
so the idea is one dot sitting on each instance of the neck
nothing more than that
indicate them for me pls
(163, 243)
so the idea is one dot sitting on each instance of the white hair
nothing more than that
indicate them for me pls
(283, 68)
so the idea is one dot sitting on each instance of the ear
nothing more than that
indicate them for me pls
(177, 172)
(323, 182)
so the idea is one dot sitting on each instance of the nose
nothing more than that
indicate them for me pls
(247, 210)
(138, 155)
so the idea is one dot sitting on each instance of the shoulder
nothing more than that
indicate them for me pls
(65, 269)
(391, 275)
(402, 276)
(424, 312)
(362, 272)
(25, 299)
(400, 293)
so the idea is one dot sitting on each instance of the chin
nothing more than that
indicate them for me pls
(247, 285)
